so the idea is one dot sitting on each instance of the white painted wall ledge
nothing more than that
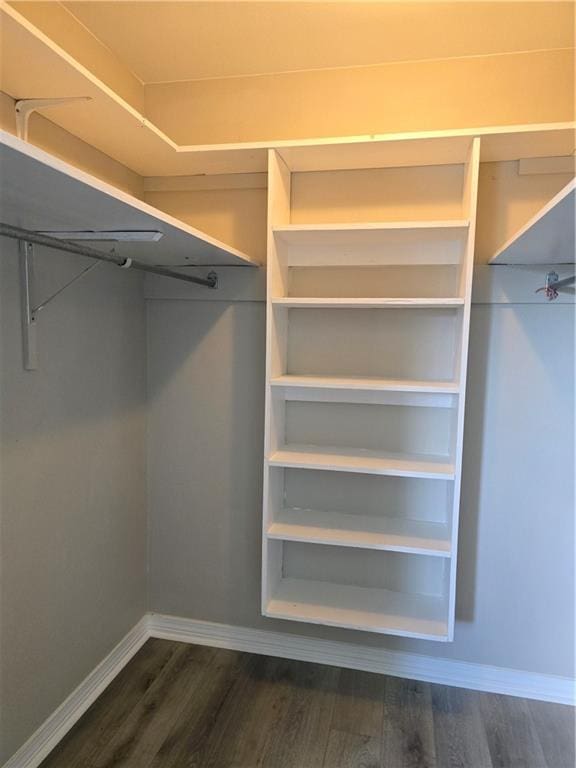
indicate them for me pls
(493, 284)
(460, 674)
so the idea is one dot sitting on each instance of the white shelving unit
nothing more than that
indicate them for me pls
(365, 405)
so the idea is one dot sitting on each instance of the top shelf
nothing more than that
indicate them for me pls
(41, 192)
(123, 132)
(429, 148)
(548, 238)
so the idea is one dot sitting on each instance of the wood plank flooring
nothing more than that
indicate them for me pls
(187, 706)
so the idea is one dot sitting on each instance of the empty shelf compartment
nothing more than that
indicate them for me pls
(410, 242)
(388, 281)
(389, 439)
(400, 343)
(388, 592)
(361, 608)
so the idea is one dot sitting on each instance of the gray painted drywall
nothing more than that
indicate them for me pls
(72, 484)
(72, 479)
(205, 443)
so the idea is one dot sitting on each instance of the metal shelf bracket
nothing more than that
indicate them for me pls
(25, 107)
(29, 308)
(29, 352)
(27, 238)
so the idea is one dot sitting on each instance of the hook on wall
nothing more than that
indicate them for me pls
(554, 285)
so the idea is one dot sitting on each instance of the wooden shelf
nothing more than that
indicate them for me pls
(370, 233)
(42, 193)
(395, 243)
(121, 131)
(376, 610)
(499, 143)
(362, 461)
(548, 238)
(353, 303)
(366, 384)
(363, 531)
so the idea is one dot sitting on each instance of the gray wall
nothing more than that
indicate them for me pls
(205, 443)
(72, 474)
(72, 480)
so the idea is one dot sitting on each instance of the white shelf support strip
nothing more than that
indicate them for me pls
(29, 337)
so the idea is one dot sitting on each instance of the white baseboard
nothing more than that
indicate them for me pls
(461, 674)
(53, 730)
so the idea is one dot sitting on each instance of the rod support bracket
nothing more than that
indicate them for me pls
(29, 308)
(554, 286)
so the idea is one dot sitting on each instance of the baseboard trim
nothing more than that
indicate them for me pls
(53, 730)
(461, 674)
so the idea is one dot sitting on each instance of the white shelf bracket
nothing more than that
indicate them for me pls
(25, 107)
(29, 355)
(29, 308)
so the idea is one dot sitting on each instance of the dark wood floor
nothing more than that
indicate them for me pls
(186, 706)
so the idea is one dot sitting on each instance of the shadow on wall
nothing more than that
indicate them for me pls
(476, 392)
(205, 448)
(534, 398)
(184, 330)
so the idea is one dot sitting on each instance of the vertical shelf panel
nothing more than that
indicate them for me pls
(470, 201)
(279, 180)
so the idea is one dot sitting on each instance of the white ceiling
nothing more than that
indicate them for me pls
(172, 41)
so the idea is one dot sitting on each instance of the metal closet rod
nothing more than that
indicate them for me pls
(26, 235)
